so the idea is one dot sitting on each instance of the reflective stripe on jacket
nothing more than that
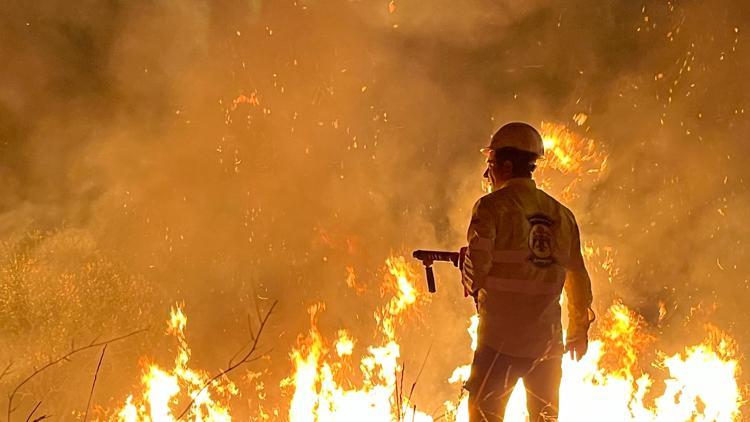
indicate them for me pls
(524, 249)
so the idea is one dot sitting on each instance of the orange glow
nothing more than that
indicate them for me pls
(623, 377)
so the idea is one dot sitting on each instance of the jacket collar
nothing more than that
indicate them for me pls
(520, 181)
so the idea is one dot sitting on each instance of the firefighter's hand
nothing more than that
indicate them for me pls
(577, 347)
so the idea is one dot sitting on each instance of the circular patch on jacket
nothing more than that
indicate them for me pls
(541, 240)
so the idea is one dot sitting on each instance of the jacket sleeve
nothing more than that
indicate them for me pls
(578, 292)
(481, 239)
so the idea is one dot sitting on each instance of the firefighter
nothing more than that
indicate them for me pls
(523, 250)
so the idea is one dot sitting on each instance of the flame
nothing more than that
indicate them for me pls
(318, 393)
(700, 383)
(608, 384)
(569, 159)
(567, 152)
(162, 388)
(344, 344)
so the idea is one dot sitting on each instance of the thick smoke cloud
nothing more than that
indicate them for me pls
(223, 153)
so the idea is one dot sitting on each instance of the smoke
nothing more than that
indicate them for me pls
(215, 153)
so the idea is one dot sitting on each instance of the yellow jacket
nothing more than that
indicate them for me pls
(524, 248)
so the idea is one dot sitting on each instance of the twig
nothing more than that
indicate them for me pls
(250, 327)
(93, 384)
(247, 343)
(243, 347)
(28, 418)
(246, 358)
(65, 357)
(419, 374)
(6, 371)
(398, 396)
(438, 417)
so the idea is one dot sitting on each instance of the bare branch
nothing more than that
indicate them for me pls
(250, 330)
(93, 384)
(399, 392)
(239, 351)
(65, 358)
(438, 417)
(398, 397)
(250, 327)
(28, 418)
(246, 358)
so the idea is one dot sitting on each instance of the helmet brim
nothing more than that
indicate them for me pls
(487, 150)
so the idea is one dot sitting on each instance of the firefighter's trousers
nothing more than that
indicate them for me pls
(494, 375)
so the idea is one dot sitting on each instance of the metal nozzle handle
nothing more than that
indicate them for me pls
(430, 280)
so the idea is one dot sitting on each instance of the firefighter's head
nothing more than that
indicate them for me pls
(512, 153)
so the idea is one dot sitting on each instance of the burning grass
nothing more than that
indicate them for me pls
(612, 382)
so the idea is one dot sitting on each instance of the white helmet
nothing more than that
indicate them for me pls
(518, 135)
